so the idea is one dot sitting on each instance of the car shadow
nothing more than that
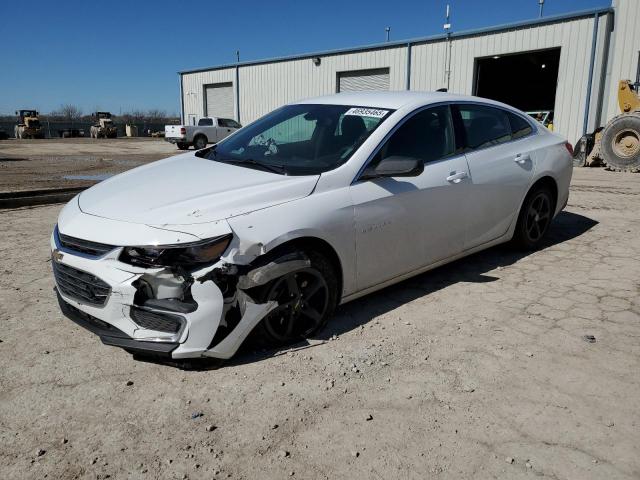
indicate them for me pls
(473, 268)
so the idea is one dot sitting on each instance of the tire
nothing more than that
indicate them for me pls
(183, 146)
(621, 142)
(534, 218)
(200, 142)
(299, 316)
(580, 152)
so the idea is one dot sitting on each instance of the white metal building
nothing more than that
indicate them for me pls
(570, 64)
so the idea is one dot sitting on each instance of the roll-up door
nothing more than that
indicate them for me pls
(375, 79)
(219, 100)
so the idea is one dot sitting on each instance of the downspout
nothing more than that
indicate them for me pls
(594, 45)
(408, 73)
(181, 100)
(237, 94)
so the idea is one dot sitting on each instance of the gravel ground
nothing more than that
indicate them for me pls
(36, 164)
(479, 369)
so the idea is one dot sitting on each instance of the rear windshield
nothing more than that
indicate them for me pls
(301, 139)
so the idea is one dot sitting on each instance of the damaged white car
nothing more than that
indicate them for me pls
(313, 205)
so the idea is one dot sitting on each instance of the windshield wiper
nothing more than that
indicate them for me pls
(250, 161)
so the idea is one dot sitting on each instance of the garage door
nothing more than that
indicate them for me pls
(219, 100)
(377, 79)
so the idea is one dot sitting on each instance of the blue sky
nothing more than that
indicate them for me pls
(123, 55)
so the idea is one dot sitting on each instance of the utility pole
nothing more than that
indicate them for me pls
(541, 4)
(447, 28)
(387, 30)
(238, 56)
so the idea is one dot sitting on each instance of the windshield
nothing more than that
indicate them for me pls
(301, 139)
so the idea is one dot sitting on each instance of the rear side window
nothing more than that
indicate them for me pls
(484, 126)
(428, 135)
(228, 123)
(205, 122)
(519, 126)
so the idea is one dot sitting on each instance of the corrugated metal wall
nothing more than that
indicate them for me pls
(573, 37)
(264, 87)
(270, 85)
(193, 89)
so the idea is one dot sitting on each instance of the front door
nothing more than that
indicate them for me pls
(405, 223)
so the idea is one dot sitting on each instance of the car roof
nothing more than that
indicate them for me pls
(394, 100)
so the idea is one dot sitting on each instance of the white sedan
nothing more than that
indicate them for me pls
(311, 206)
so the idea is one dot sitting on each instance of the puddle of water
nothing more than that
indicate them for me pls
(98, 177)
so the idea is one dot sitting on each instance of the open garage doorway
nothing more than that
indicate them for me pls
(524, 80)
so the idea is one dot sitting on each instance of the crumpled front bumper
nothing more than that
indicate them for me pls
(113, 320)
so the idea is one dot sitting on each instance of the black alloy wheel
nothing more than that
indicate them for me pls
(534, 218)
(538, 217)
(304, 299)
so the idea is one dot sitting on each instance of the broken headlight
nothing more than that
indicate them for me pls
(185, 255)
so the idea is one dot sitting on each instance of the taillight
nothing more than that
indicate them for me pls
(569, 148)
(183, 131)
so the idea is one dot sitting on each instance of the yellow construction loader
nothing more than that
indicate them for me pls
(617, 145)
(28, 125)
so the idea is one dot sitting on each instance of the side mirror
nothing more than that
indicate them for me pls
(395, 166)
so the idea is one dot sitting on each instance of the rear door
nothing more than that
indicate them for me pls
(405, 223)
(226, 126)
(500, 166)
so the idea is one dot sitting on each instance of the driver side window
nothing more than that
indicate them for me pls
(428, 136)
(295, 129)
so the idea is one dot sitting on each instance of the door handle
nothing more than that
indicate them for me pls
(521, 159)
(456, 177)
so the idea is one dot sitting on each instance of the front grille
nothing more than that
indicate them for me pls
(84, 246)
(161, 322)
(79, 285)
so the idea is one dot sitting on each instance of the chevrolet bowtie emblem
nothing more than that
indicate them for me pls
(57, 255)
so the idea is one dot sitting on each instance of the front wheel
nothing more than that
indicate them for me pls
(534, 218)
(306, 299)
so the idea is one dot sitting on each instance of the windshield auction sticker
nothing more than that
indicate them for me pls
(367, 112)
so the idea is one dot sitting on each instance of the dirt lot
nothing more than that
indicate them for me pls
(71, 162)
(477, 370)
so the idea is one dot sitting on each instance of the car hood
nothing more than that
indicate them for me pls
(186, 190)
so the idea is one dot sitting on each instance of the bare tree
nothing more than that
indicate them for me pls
(156, 115)
(69, 112)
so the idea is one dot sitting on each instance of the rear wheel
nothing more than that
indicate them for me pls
(183, 146)
(200, 142)
(306, 299)
(534, 218)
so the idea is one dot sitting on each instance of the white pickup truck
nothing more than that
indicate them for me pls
(208, 130)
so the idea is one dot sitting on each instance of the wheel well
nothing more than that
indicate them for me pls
(316, 245)
(198, 135)
(551, 184)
